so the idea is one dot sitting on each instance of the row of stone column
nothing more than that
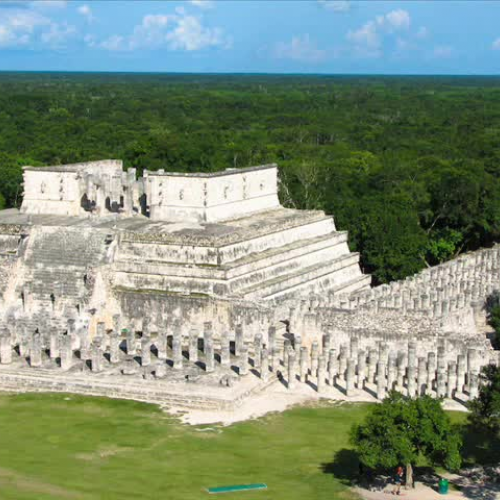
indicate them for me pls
(383, 370)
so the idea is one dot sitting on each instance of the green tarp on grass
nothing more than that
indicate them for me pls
(240, 487)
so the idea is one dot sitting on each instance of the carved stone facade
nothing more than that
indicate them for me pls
(106, 279)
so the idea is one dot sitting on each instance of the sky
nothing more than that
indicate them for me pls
(235, 36)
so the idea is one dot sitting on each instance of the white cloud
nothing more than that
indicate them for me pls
(367, 40)
(57, 34)
(336, 5)
(442, 51)
(18, 26)
(398, 19)
(422, 32)
(179, 31)
(190, 35)
(113, 43)
(299, 49)
(496, 44)
(202, 4)
(85, 11)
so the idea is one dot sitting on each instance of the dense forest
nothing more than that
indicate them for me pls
(410, 166)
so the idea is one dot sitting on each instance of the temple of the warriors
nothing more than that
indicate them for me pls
(201, 290)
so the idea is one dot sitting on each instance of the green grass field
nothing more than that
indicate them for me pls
(52, 447)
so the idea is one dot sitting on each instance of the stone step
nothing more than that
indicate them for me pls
(300, 278)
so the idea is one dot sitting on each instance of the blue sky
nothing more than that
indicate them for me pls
(308, 36)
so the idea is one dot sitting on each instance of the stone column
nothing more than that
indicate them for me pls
(209, 354)
(441, 382)
(145, 351)
(350, 376)
(401, 361)
(472, 363)
(225, 350)
(291, 370)
(461, 370)
(131, 344)
(271, 334)
(372, 365)
(343, 363)
(421, 376)
(333, 367)
(321, 378)
(193, 345)
(264, 365)
(101, 330)
(239, 339)
(5, 349)
(85, 347)
(354, 348)
(274, 359)
(257, 348)
(54, 344)
(287, 347)
(431, 372)
(412, 382)
(314, 357)
(96, 356)
(412, 354)
(36, 351)
(243, 360)
(177, 350)
(381, 380)
(114, 347)
(304, 363)
(452, 380)
(66, 352)
(392, 372)
(207, 335)
(360, 383)
(297, 343)
(473, 386)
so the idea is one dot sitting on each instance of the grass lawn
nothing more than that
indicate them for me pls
(70, 447)
(93, 448)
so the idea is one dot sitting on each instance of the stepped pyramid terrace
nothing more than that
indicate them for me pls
(202, 291)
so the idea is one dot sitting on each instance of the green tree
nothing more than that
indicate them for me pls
(402, 429)
(485, 409)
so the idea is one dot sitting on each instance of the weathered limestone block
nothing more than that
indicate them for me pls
(97, 357)
(131, 342)
(257, 348)
(207, 335)
(314, 357)
(36, 351)
(239, 339)
(161, 345)
(243, 360)
(291, 370)
(350, 376)
(146, 351)
(264, 365)
(321, 375)
(461, 371)
(452, 380)
(431, 372)
(360, 382)
(66, 352)
(114, 347)
(161, 369)
(54, 344)
(304, 363)
(5, 349)
(177, 352)
(193, 345)
(271, 335)
(421, 376)
(441, 382)
(392, 371)
(381, 380)
(225, 350)
(372, 365)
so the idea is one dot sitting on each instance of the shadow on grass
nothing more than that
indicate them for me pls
(480, 446)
